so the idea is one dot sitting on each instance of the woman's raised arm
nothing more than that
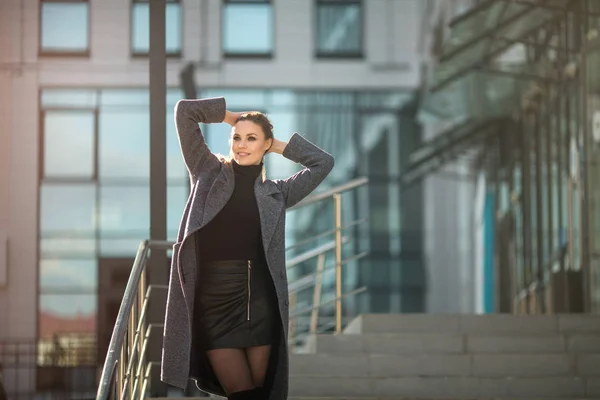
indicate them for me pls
(317, 165)
(188, 114)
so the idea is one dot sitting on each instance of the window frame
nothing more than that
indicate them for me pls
(60, 53)
(247, 55)
(140, 54)
(325, 55)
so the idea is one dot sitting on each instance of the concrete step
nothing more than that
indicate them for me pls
(453, 343)
(470, 323)
(445, 387)
(377, 366)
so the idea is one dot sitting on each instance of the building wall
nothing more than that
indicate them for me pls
(390, 63)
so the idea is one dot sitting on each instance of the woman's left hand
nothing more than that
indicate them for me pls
(278, 146)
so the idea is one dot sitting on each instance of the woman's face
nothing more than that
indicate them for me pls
(248, 143)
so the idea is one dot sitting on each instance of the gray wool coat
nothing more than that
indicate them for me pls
(212, 183)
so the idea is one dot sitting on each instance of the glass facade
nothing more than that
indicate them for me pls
(56, 37)
(140, 29)
(536, 103)
(248, 28)
(339, 28)
(94, 206)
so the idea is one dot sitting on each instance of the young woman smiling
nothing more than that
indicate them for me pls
(227, 309)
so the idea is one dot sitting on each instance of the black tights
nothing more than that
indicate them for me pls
(240, 369)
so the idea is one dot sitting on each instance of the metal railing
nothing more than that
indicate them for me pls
(125, 373)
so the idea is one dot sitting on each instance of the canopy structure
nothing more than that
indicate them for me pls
(494, 55)
(518, 82)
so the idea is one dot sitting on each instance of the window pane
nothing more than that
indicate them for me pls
(124, 211)
(284, 124)
(176, 171)
(124, 219)
(125, 97)
(339, 28)
(62, 36)
(67, 246)
(248, 29)
(124, 144)
(173, 96)
(67, 314)
(69, 97)
(176, 197)
(217, 137)
(70, 208)
(240, 100)
(68, 275)
(69, 144)
(121, 247)
(140, 29)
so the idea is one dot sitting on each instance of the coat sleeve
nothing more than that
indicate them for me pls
(188, 114)
(317, 165)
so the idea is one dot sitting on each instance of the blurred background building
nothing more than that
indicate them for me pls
(475, 122)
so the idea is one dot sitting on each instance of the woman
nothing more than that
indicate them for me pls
(226, 324)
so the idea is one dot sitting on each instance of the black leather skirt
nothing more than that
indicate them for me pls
(235, 305)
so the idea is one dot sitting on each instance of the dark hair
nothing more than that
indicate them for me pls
(261, 120)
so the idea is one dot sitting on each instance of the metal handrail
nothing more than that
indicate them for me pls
(300, 258)
(309, 280)
(132, 311)
(353, 184)
(113, 355)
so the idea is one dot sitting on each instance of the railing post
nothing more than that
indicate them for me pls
(314, 319)
(337, 198)
(292, 323)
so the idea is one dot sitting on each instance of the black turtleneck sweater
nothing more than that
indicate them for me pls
(234, 233)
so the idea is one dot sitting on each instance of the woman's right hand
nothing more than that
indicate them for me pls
(232, 117)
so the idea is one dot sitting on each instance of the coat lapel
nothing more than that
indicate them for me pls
(218, 195)
(270, 207)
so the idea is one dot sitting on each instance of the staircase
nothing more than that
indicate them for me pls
(423, 356)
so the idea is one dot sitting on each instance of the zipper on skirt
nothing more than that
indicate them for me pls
(249, 288)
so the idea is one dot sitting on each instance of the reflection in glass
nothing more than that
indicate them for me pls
(124, 144)
(69, 144)
(240, 100)
(62, 314)
(124, 247)
(176, 171)
(68, 208)
(339, 29)
(125, 97)
(140, 28)
(248, 29)
(282, 98)
(67, 330)
(124, 210)
(217, 137)
(176, 197)
(80, 98)
(173, 96)
(58, 36)
(284, 125)
(68, 275)
(68, 245)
